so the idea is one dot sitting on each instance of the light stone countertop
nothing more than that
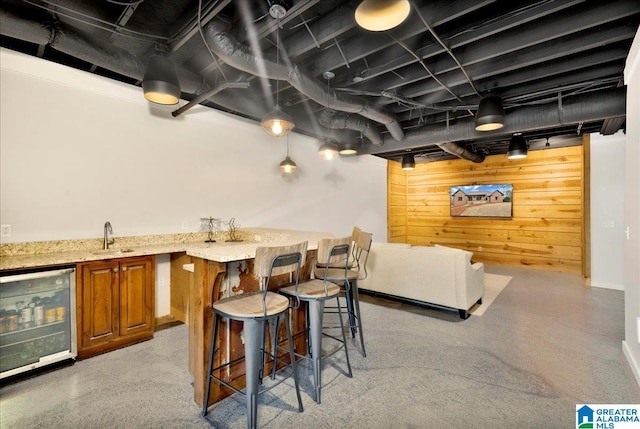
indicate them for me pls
(220, 251)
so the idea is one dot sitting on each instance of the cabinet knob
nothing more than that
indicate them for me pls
(115, 270)
(124, 268)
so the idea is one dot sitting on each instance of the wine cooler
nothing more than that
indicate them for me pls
(37, 319)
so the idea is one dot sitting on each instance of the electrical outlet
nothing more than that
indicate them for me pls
(5, 231)
(479, 248)
(185, 225)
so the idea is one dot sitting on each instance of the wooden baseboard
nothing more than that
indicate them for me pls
(167, 321)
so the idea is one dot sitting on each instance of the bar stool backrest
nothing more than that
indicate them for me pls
(278, 260)
(328, 257)
(264, 262)
(361, 247)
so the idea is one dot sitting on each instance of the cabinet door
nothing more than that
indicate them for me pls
(98, 301)
(137, 312)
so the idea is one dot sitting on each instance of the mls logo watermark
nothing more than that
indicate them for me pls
(608, 416)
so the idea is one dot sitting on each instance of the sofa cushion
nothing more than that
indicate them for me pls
(432, 274)
(465, 252)
(391, 245)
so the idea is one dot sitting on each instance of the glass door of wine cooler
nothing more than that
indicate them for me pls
(37, 320)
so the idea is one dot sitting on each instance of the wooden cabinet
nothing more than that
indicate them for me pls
(116, 306)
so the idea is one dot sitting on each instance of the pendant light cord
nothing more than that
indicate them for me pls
(278, 67)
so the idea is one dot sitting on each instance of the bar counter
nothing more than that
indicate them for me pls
(201, 273)
(220, 270)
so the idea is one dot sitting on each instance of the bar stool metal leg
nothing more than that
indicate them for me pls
(316, 311)
(292, 356)
(205, 404)
(356, 305)
(350, 311)
(344, 338)
(316, 315)
(253, 331)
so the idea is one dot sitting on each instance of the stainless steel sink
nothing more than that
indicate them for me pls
(111, 251)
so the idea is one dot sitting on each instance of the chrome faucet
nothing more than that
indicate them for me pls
(107, 230)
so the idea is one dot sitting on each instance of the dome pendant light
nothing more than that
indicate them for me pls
(277, 123)
(490, 115)
(287, 166)
(517, 147)
(408, 162)
(160, 82)
(348, 148)
(382, 15)
(328, 151)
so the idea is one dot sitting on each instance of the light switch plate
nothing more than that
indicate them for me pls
(5, 231)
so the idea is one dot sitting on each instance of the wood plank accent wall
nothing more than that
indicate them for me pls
(546, 231)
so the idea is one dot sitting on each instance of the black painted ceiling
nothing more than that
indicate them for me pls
(563, 57)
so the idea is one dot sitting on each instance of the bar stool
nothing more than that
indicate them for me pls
(255, 309)
(348, 278)
(315, 292)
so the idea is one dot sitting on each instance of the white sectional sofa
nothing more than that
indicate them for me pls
(430, 274)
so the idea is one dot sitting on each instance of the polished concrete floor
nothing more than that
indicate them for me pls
(546, 344)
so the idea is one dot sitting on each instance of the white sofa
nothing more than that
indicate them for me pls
(430, 274)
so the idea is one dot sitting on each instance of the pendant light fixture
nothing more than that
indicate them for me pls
(287, 166)
(351, 147)
(408, 162)
(348, 148)
(490, 115)
(382, 15)
(328, 150)
(517, 147)
(160, 82)
(276, 122)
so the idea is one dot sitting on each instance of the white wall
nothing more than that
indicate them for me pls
(77, 150)
(607, 210)
(631, 343)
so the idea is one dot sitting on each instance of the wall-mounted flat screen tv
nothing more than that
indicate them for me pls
(482, 201)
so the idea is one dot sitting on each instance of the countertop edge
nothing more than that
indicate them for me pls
(220, 251)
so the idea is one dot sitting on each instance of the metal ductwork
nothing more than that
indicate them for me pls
(341, 121)
(100, 54)
(22, 29)
(336, 120)
(570, 110)
(240, 57)
(461, 151)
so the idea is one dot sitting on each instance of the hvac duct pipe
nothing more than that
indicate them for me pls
(594, 106)
(342, 121)
(205, 95)
(240, 57)
(100, 54)
(13, 26)
(461, 151)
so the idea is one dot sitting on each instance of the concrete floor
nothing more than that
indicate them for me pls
(546, 344)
